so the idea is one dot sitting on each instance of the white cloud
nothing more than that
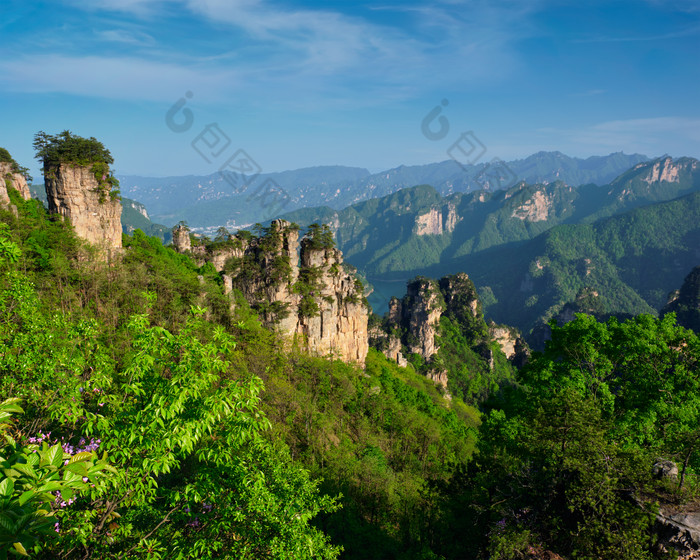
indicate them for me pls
(449, 43)
(259, 51)
(112, 78)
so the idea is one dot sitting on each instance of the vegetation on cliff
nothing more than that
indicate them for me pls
(225, 444)
(685, 302)
(5, 157)
(71, 149)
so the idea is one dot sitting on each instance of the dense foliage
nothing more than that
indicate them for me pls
(565, 459)
(629, 263)
(191, 431)
(222, 438)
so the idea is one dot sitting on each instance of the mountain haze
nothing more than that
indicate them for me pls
(210, 201)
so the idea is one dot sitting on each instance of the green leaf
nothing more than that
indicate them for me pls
(66, 493)
(26, 496)
(50, 487)
(79, 468)
(7, 523)
(7, 487)
(20, 549)
(55, 456)
(26, 470)
(80, 457)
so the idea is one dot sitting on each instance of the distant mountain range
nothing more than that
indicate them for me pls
(534, 248)
(237, 200)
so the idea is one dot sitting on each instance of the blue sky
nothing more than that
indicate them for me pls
(298, 84)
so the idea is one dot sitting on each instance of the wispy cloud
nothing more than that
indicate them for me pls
(590, 93)
(111, 78)
(686, 32)
(651, 136)
(136, 38)
(325, 55)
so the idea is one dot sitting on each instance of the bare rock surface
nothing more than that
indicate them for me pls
(74, 193)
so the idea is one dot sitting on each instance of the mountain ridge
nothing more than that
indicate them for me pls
(487, 234)
(211, 201)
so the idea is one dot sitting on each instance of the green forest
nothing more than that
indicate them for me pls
(146, 414)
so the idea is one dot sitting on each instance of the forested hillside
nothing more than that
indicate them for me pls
(225, 442)
(213, 440)
(146, 412)
(624, 265)
(232, 199)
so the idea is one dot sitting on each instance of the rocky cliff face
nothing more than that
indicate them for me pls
(302, 289)
(12, 180)
(666, 170)
(417, 315)
(442, 322)
(74, 193)
(511, 344)
(429, 223)
(138, 207)
(437, 221)
(536, 209)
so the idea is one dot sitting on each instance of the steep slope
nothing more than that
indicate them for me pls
(621, 265)
(134, 216)
(136, 334)
(438, 326)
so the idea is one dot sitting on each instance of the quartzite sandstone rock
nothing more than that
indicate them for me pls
(269, 269)
(74, 193)
(422, 309)
(12, 180)
(181, 238)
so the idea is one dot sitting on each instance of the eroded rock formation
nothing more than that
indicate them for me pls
(422, 308)
(12, 180)
(536, 209)
(181, 238)
(447, 310)
(302, 289)
(75, 193)
(511, 343)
